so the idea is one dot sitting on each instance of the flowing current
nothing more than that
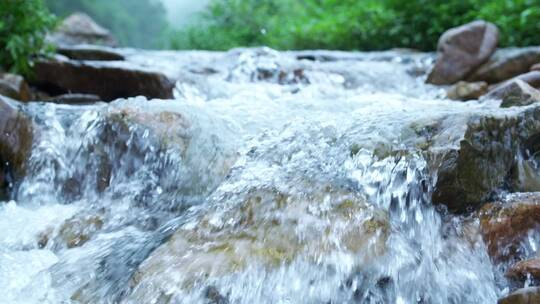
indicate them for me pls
(270, 178)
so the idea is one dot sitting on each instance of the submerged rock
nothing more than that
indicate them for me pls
(515, 93)
(14, 86)
(463, 49)
(467, 90)
(528, 295)
(79, 28)
(108, 79)
(505, 225)
(268, 228)
(506, 64)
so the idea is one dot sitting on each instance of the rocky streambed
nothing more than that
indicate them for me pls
(257, 176)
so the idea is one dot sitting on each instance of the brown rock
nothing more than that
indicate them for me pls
(506, 64)
(107, 79)
(90, 52)
(522, 269)
(463, 49)
(79, 28)
(467, 90)
(14, 86)
(16, 138)
(515, 93)
(503, 226)
(535, 67)
(529, 295)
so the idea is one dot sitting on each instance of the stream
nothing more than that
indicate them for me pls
(270, 178)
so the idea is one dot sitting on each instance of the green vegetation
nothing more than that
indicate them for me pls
(137, 23)
(23, 25)
(353, 24)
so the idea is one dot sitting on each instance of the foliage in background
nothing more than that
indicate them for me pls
(23, 25)
(353, 24)
(136, 23)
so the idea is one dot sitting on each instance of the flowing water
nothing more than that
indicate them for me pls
(259, 183)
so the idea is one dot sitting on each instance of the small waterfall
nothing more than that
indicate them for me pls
(274, 180)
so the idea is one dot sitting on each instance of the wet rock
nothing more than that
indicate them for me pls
(76, 231)
(79, 28)
(463, 49)
(506, 64)
(523, 269)
(528, 295)
(515, 93)
(108, 79)
(532, 78)
(90, 52)
(269, 228)
(505, 225)
(483, 159)
(75, 99)
(16, 139)
(14, 86)
(467, 90)
(535, 67)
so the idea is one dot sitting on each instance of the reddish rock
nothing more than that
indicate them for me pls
(461, 50)
(524, 268)
(529, 295)
(503, 226)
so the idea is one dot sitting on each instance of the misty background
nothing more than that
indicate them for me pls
(181, 12)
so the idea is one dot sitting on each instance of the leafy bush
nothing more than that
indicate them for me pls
(354, 24)
(137, 23)
(23, 25)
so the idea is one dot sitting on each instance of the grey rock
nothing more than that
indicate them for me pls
(515, 93)
(79, 28)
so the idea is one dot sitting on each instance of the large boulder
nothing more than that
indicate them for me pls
(14, 86)
(486, 158)
(506, 64)
(107, 79)
(79, 28)
(515, 93)
(16, 138)
(461, 50)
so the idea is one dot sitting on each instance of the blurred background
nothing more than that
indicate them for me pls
(301, 24)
